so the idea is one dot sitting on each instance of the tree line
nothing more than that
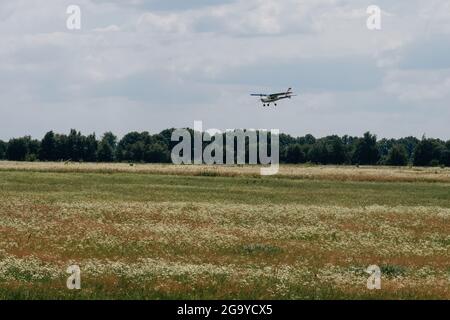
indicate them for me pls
(156, 148)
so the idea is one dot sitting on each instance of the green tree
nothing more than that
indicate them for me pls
(318, 153)
(445, 156)
(136, 151)
(410, 144)
(89, 148)
(165, 137)
(286, 141)
(439, 150)
(156, 153)
(335, 150)
(3, 148)
(384, 146)
(107, 148)
(110, 139)
(33, 149)
(397, 156)
(423, 153)
(308, 139)
(17, 149)
(366, 152)
(126, 149)
(47, 151)
(105, 152)
(61, 147)
(295, 154)
(74, 146)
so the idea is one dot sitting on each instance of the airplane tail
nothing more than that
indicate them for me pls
(289, 91)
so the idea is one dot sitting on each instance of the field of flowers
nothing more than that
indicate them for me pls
(195, 232)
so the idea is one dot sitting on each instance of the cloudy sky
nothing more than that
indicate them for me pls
(154, 64)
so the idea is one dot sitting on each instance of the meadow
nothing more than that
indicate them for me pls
(201, 232)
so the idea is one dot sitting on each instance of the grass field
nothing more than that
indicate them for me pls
(195, 232)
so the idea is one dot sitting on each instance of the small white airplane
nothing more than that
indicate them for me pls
(267, 99)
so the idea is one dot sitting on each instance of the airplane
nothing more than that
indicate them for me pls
(267, 99)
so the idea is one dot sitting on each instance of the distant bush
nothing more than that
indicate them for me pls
(143, 147)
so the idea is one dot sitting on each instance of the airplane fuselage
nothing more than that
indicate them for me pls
(273, 99)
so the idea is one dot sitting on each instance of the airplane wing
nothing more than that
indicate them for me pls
(288, 92)
(274, 95)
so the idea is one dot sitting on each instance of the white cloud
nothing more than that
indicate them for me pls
(162, 23)
(419, 85)
(154, 57)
